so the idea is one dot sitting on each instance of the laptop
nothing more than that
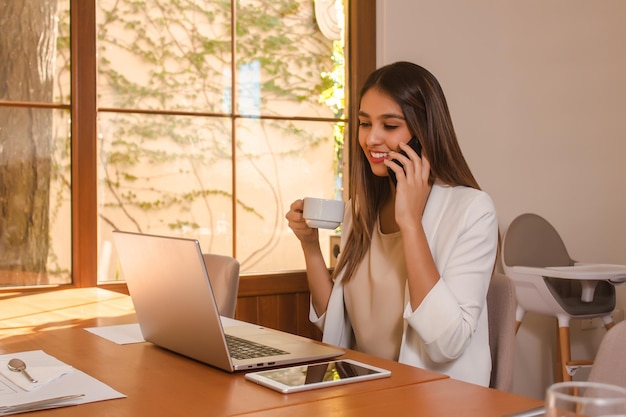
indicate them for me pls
(176, 309)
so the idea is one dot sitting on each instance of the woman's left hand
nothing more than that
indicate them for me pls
(412, 189)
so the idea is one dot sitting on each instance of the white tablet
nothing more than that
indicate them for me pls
(316, 375)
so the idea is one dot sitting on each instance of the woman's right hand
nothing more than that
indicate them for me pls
(304, 233)
(317, 273)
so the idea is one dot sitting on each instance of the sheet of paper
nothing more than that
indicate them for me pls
(41, 373)
(74, 382)
(121, 334)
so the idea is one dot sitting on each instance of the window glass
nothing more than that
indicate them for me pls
(35, 199)
(35, 225)
(278, 162)
(282, 55)
(162, 174)
(167, 55)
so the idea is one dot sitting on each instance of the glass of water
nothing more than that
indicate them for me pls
(588, 399)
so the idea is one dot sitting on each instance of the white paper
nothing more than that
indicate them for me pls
(75, 382)
(42, 372)
(121, 334)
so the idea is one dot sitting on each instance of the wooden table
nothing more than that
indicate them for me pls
(161, 383)
(439, 398)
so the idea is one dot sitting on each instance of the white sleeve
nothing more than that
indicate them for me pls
(448, 316)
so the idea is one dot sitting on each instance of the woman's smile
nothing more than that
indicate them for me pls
(378, 157)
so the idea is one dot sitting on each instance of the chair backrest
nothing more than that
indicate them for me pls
(531, 240)
(501, 305)
(609, 365)
(224, 276)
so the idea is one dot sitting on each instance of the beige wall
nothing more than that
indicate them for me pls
(537, 90)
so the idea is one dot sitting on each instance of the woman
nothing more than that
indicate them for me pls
(417, 256)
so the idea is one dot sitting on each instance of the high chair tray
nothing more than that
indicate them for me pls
(597, 272)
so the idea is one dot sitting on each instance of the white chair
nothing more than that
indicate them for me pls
(224, 276)
(549, 282)
(501, 305)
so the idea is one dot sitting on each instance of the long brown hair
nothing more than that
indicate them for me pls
(425, 109)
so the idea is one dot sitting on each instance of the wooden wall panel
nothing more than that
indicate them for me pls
(247, 309)
(305, 327)
(278, 301)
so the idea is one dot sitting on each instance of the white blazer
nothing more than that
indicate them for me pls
(448, 332)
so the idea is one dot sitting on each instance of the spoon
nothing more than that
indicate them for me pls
(18, 365)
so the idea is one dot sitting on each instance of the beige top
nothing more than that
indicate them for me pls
(374, 297)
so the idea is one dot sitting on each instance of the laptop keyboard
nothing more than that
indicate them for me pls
(245, 349)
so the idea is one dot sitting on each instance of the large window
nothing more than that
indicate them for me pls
(201, 119)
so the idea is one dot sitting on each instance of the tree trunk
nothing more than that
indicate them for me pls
(27, 59)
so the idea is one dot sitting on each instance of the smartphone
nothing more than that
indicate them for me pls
(316, 375)
(416, 146)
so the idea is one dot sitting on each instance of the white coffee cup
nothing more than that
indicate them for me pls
(321, 213)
